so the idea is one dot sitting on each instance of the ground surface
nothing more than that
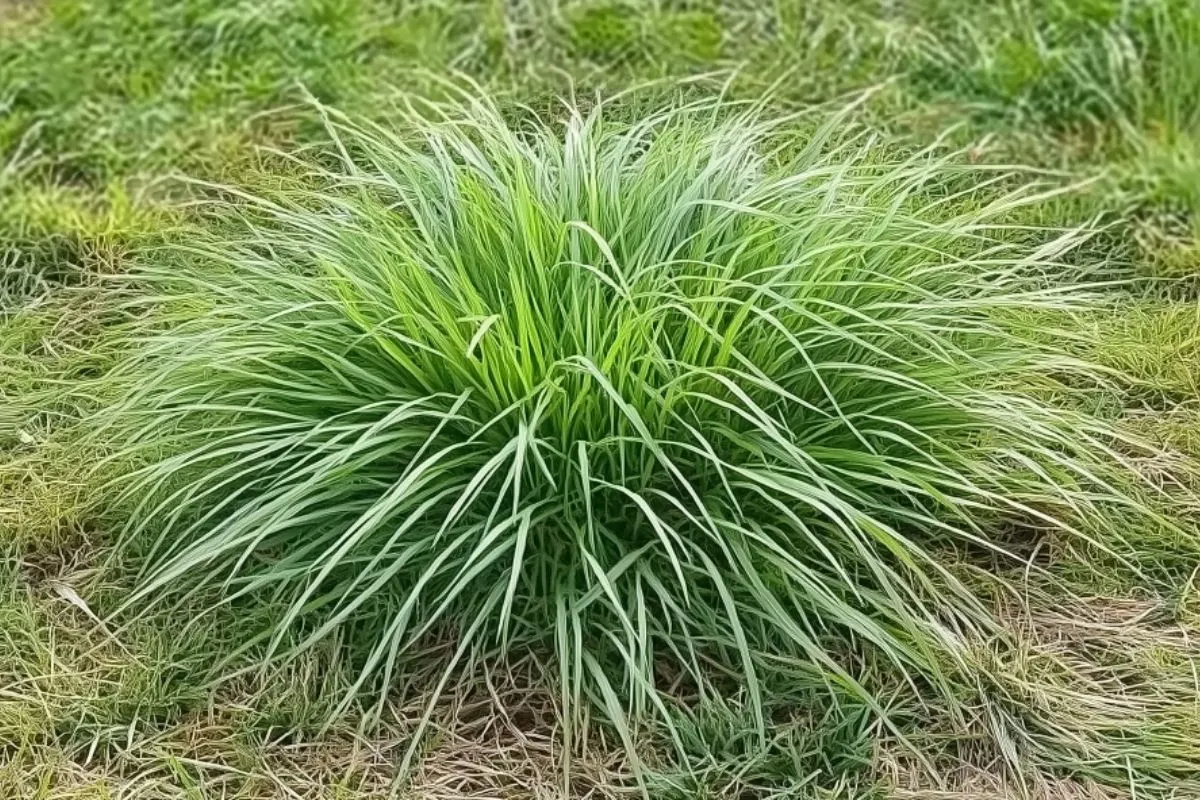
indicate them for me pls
(104, 106)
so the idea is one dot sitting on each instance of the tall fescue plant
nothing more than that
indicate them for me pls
(672, 401)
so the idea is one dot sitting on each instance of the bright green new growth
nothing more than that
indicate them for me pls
(669, 400)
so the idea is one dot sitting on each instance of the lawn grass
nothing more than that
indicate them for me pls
(106, 106)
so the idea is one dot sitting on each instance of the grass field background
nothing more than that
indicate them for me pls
(122, 122)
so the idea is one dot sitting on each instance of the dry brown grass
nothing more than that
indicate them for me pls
(1108, 677)
(1093, 686)
(1092, 665)
(203, 758)
(495, 737)
(970, 782)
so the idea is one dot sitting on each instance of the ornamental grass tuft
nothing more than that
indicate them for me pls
(665, 402)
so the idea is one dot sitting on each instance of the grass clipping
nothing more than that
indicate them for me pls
(666, 401)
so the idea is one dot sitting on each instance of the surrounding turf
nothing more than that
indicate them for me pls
(191, 239)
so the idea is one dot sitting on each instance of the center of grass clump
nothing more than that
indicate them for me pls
(676, 397)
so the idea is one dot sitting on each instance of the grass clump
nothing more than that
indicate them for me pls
(669, 400)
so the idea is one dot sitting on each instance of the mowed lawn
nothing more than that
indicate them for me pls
(137, 133)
